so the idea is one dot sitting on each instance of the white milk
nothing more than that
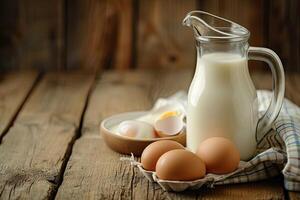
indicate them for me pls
(222, 101)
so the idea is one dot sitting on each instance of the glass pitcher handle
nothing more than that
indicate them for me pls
(274, 62)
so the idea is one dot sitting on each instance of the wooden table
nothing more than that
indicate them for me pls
(50, 142)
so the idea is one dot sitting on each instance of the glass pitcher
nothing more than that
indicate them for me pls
(222, 99)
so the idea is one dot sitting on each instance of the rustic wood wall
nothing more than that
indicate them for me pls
(122, 34)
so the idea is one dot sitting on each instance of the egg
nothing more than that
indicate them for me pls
(168, 124)
(154, 150)
(219, 154)
(136, 129)
(180, 165)
(168, 114)
(162, 107)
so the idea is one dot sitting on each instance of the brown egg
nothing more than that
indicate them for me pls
(180, 165)
(154, 150)
(219, 154)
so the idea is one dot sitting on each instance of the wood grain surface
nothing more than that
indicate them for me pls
(294, 195)
(162, 40)
(39, 159)
(14, 88)
(10, 34)
(40, 33)
(282, 25)
(95, 172)
(91, 33)
(122, 34)
(89, 174)
(34, 151)
(99, 34)
(123, 52)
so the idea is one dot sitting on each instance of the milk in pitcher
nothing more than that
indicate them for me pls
(222, 101)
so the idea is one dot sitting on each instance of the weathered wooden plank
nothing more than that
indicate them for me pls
(95, 172)
(124, 47)
(14, 88)
(162, 41)
(9, 35)
(99, 34)
(114, 93)
(284, 32)
(91, 27)
(32, 33)
(34, 151)
(294, 195)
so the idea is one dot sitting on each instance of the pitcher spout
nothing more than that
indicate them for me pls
(197, 24)
(207, 26)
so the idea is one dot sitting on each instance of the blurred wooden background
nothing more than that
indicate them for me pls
(123, 34)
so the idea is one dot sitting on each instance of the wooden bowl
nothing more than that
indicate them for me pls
(127, 145)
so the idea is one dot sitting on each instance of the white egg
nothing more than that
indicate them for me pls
(136, 129)
(169, 126)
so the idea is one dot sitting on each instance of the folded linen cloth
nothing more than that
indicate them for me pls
(277, 152)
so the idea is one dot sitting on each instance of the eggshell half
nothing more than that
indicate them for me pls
(169, 126)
